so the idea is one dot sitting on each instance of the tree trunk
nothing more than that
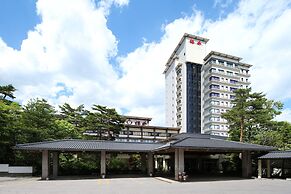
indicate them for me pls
(241, 129)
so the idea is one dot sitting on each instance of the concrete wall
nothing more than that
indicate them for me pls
(5, 168)
(20, 170)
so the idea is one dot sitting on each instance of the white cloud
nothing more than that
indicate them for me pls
(258, 31)
(285, 116)
(73, 45)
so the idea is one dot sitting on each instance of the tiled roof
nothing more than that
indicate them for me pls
(195, 135)
(209, 142)
(88, 145)
(277, 155)
(184, 140)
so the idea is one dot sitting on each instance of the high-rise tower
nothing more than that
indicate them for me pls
(199, 87)
(183, 84)
(222, 74)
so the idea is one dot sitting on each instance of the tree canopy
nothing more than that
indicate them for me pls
(7, 91)
(37, 120)
(251, 119)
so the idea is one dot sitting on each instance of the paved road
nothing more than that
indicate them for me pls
(142, 186)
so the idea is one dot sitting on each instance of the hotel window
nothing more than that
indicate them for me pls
(214, 94)
(229, 73)
(214, 110)
(233, 89)
(233, 81)
(212, 70)
(221, 62)
(232, 96)
(220, 71)
(215, 102)
(214, 86)
(214, 78)
(137, 133)
(229, 64)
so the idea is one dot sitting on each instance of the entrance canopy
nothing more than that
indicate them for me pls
(200, 142)
(178, 145)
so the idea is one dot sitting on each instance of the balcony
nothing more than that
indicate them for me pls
(222, 65)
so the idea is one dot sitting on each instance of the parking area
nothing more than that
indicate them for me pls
(142, 185)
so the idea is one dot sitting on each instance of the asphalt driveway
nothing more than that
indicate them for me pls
(142, 185)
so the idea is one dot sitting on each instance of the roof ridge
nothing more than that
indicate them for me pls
(179, 140)
(244, 143)
(108, 141)
(38, 142)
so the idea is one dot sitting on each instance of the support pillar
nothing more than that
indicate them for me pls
(45, 165)
(156, 163)
(55, 164)
(103, 164)
(259, 169)
(179, 162)
(219, 163)
(268, 169)
(164, 163)
(143, 162)
(150, 164)
(246, 164)
(199, 164)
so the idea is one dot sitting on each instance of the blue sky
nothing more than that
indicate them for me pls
(113, 52)
(140, 20)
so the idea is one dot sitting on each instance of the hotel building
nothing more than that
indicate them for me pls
(138, 129)
(199, 86)
(222, 74)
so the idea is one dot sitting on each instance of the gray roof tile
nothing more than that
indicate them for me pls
(88, 145)
(210, 142)
(189, 141)
(277, 155)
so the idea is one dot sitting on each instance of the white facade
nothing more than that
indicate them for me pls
(220, 74)
(190, 49)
